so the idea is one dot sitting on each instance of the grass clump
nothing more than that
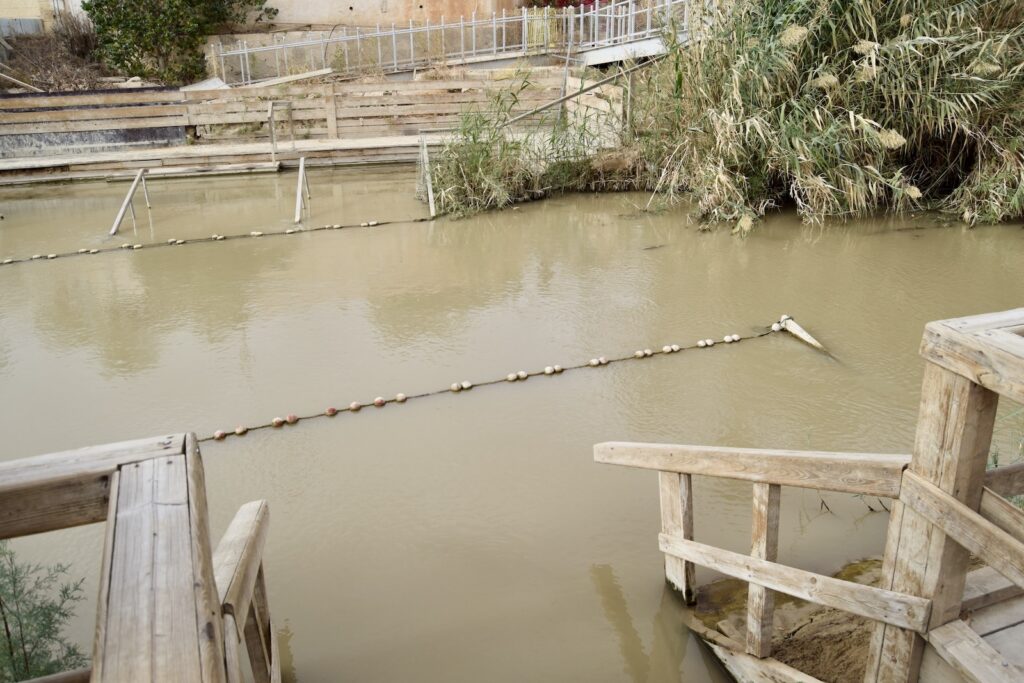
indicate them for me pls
(839, 108)
(843, 108)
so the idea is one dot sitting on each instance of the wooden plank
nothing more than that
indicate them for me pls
(331, 110)
(993, 358)
(998, 549)
(1002, 513)
(997, 617)
(748, 669)
(100, 629)
(208, 615)
(1006, 481)
(70, 488)
(676, 496)
(951, 448)
(232, 650)
(257, 645)
(986, 586)
(972, 657)
(112, 98)
(236, 562)
(906, 611)
(76, 676)
(294, 77)
(89, 114)
(80, 126)
(764, 546)
(866, 473)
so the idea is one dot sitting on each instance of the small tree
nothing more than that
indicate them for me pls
(163, 39)
(34, 608)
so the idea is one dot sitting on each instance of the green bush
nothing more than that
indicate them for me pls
(34, 608)
(163, 39)
(842, 108)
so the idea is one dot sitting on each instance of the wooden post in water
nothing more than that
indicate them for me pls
(676, 493)
(764, 546)
(968, 360)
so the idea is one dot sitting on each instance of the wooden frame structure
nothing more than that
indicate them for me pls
(169, 608)
(946, 507)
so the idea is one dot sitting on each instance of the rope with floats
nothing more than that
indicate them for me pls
(255, 234)
(784, 324)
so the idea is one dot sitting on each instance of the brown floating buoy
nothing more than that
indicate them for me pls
(400, 398)
(379, 401)
(292, 419)
(219, 435)
(331, 412)
(277, 422)
(354, 406)
(240, 430)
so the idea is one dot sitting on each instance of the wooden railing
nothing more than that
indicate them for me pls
(162, 614)
(946, 507)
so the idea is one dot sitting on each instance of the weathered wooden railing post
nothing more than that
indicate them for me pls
(764, 533)
(954, 433)
(677, 519)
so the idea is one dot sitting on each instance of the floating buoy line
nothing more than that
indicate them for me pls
(784, 324)
(255, 234)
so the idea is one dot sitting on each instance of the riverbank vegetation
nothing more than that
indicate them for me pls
(841, 109)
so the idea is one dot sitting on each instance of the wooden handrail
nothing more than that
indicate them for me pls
(996, 547)
(905, 611)
(861, 473)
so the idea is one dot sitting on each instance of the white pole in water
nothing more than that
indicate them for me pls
(127, 202)
(298, 189)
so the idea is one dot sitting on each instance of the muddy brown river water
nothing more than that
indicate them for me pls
(471, 537)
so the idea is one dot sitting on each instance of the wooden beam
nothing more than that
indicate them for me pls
(995, 547)
(69, 488)
(1006, 481)
(1002, 513)
(986, 349)
(971, 656)
(862, 473)
(238, 557)
(985, 587)
(676, 495)
(764, 546)
(906, 611)
(951, 445)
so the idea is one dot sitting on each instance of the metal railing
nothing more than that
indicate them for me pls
(536, 31)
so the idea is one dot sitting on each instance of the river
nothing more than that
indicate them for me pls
(471, 536)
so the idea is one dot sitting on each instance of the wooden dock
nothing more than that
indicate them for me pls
(170, 607)
(933, 620)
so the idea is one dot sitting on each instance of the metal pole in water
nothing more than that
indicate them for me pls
(298, 189)
(126, 203)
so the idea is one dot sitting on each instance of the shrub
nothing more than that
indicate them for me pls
(34, 608)
(163, 39)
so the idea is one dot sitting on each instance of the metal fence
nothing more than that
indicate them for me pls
(539, 31)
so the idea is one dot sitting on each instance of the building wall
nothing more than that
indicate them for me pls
(322, 13)
(27, 13)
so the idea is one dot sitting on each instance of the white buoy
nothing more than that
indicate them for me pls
(512, 377)
(51, 256)
(594, 362)
(709, 342)
(125, 245)
(364, 225)
(94, 251)
(666, 349)
(136, 246)
(277, 422)
(354, 406)
(638, 354)
(467, 385)
(676, 348)
(8, 260)
(456, 387)
(558, 369)
(241, 430)
(784, 318)
(776, 327)
(735, 338)
(335, 226)
(522, 374)
(548, 370)
(179, 241)
(379, 401)
(219, 238)
(256, 233)
(170, 241)
(401, 398)
(292, 419)
(36, 256)
(702, 343)
(219, 435)
(289, 231)
(373, 224)
(331, 412)
(648, 353)
(83, 251)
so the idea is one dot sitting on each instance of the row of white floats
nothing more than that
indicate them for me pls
(785, 323)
